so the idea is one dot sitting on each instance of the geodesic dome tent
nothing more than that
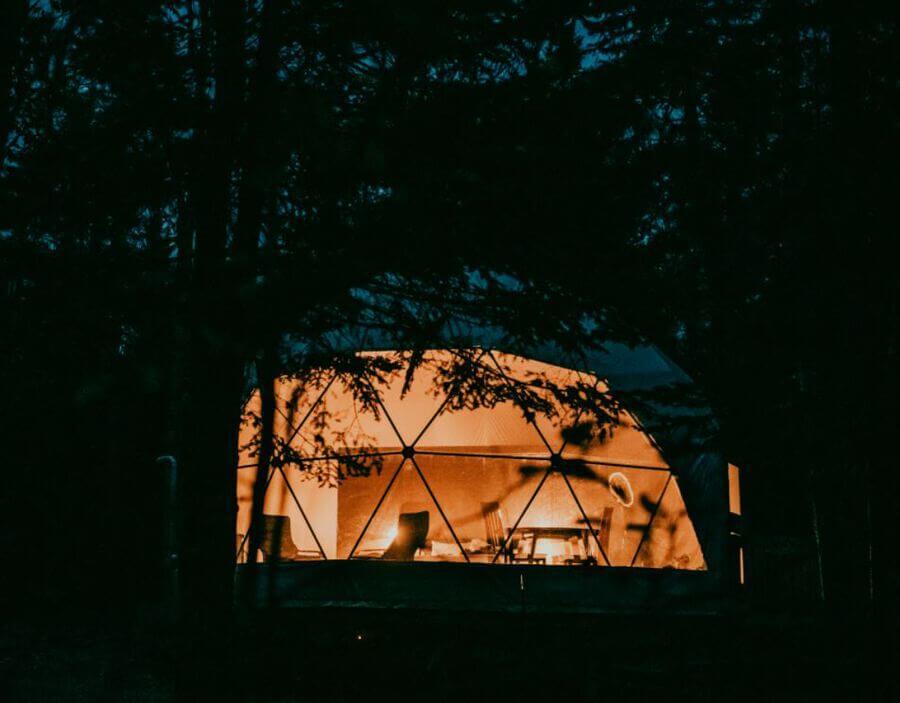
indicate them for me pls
(425, 499)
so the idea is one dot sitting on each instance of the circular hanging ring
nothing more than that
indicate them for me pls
(620, 487)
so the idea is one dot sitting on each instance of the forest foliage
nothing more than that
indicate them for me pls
(183, 183)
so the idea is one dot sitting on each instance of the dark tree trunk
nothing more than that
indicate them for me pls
(257, 163)
(212, 394)
(208, 502)
(265, 374)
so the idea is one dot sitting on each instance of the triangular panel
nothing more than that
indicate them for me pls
(288, 521)
(347, 419)
(619, 503)
(411, 411)
(481, 496)
(497, 425)
(407, 525)
(553, 529)
(624, 443)
(294, 399)
(500, 430)
(671, 542)
(307, 488)
(358, 497)
(547, 385)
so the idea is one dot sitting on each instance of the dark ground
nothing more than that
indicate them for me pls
(358, 655)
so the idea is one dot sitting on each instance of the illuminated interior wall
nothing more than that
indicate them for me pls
(484, 477)
(734, 508)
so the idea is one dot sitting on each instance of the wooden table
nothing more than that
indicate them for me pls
(563, 534)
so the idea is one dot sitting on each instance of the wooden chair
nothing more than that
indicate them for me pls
(412, 533)
(276, 542)
(494, 527)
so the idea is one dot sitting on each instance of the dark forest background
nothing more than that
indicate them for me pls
(183, 183)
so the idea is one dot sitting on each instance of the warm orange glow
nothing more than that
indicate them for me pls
(734, 489)
(671, 540)
(552, 549)
(483, 466)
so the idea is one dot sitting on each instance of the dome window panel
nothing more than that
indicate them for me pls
(411, 461)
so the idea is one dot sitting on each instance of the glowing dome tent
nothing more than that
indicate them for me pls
(467, 494)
